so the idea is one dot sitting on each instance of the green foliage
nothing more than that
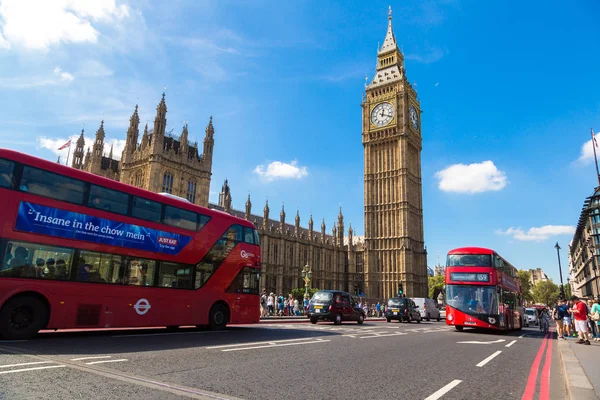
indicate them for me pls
(299, 292)
(546, 292)
(525, 280)
(436, 283)
(568, 292)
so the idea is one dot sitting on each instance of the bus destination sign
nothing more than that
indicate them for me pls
(35, 218)
(469, 277)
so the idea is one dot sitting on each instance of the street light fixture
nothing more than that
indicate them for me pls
(562, 288)
(307, 275)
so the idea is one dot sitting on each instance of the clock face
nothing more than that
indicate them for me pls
(414, 118)
(382, 114)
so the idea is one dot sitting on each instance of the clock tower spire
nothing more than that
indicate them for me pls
(391, 135)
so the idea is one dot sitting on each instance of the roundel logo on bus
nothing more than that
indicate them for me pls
(245, 254)
(142, 306)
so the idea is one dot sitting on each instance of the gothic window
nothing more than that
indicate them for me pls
(275, 253)
(138, 178)
(167, 186)
(191, 191)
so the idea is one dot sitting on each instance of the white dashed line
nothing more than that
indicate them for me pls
(490, 358)
(511, 343)
(88, 358)
(106, 361)
(444, 390)
(29, 363)
(31, 369)
(254, 343)
(276, 345)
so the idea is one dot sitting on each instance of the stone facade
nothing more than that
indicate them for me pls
(537, 275)
(391, 134)
(160, 162)
(584, 250)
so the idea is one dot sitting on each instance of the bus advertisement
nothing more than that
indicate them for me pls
(482, 291)
(80, 251)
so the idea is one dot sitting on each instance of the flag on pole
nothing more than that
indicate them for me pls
(64, 146)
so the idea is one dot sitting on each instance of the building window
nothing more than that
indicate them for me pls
(138, 178)
(191, 191)
(167, 186)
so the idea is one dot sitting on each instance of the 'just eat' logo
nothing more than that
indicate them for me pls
(166, 240)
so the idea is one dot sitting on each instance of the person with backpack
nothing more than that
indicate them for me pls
(580, 313)
(558, 315)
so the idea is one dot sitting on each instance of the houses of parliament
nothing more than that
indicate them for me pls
(392, 251)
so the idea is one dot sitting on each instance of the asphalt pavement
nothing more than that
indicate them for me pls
(377, 360)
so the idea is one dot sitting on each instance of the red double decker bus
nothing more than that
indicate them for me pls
(81, 251)
(482, 290)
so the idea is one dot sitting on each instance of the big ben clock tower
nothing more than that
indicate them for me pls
(395, 255)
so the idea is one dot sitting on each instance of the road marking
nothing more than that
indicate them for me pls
(31, 369)
(476, 342)
(490, 358)
(12, 341)
(533, 373)
(444, 390)
(545, 378)
(383, 335)
(88, 358)
(29, 363)
(254, 343)
(511, 343)
(106, 361)
(170, 333)
(276, 345)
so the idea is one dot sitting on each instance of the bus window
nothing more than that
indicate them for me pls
(234, 233)
(248, 235)
(174, 275)
(246, 282)
(6, 173)
(98, 267)
(146, 209)
(27, 260)
(469, 260)
(52, 185)
(256, 238)
(108, 200)
(139, 272)
(180, 218)
(202, 220)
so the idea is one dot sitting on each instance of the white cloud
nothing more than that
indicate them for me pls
(62, 75)
(281, 170)
(94, 69)
(538, 234)
(472, 178)
(587, 151)
(27, 82)
(39, 24)
(54, 144)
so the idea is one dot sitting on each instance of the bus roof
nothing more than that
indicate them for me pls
(471, 250)
(116, 185)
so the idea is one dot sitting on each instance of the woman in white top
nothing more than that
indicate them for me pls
(296, 307)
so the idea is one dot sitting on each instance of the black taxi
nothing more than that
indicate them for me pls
(402, 309)
(336, 306)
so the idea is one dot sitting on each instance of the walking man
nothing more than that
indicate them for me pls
(580, 316)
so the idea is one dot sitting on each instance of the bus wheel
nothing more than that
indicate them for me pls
(22, 317)
(313, 320)
(218, 317)
(458, 328)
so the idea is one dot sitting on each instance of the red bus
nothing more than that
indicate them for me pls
(482, 290)
(81, 251)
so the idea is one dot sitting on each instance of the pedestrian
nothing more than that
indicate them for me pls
(594, 317)
(378, 307)
(270, 303)
(580, 316)
(306, 303)
(558, 315)
(263, 304)
(296, 307)
(567, 320)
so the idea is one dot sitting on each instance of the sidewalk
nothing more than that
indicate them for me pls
(580, 368)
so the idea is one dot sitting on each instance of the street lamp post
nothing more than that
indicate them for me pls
(307, 275)
(562, 288)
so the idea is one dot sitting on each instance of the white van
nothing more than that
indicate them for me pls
(427, 308)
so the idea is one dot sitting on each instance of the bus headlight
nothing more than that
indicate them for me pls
(450, 317)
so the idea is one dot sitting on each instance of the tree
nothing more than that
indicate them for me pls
(436, 284)
(299, 293)
(546, 292)
(525, 280)
(568, 293)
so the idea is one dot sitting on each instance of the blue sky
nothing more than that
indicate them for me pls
(509, 92)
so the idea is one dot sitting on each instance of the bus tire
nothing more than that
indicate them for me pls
(22, 317)
(458, 328)
(314, 320)
(218, 317)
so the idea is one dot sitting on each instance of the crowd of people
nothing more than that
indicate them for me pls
(577, 318)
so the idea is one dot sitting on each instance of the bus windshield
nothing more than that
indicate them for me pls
(469, 260)
(472, 299)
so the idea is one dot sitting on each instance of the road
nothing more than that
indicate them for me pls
(283, 360)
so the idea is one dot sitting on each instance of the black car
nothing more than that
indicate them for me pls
(336, 306)
(402, 309)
